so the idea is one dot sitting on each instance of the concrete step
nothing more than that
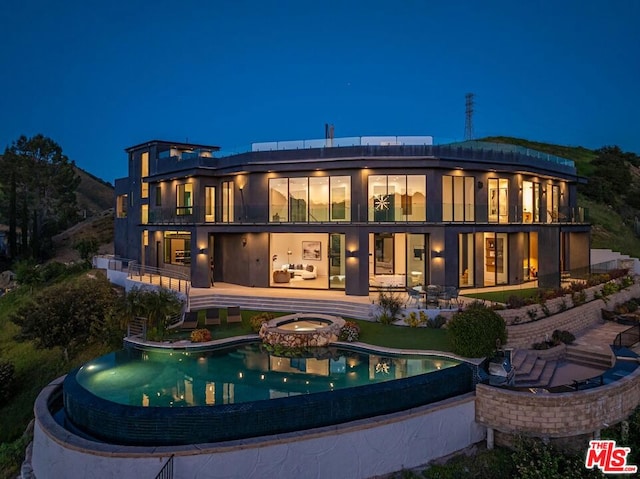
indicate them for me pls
(342, 308)
(588, 357)
(523, 361)
(544, 375)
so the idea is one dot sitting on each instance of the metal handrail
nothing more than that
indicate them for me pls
(167, 470)
(166, 278)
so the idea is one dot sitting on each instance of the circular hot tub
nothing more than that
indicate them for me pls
(302, 330)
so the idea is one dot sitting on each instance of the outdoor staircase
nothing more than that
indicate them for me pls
(532, 371)
(298, 305)
(586, 356)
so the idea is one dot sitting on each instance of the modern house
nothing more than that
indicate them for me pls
(352, 214)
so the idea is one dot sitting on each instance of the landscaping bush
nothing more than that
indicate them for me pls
(437, 322)
(565, 337)
(515, 302)
(390, 305)
(257, 320)
(579, 297)
(350, 332)
(533, 459)
(200, 336)
(475, 331)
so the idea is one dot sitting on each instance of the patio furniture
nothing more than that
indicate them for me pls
(212, 317)
(190, 320)
(233, 315)
(432, 295)
(414, 296)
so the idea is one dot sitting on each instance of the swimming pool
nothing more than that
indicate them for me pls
(159, 397)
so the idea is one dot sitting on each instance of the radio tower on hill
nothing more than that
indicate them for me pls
(468, 123)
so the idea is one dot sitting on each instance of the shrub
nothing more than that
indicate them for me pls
(200, 336)
(412, 320)
(390, 307)
(565, 337)
(6, 380)
(545, 309)
(475, 331)
(437, 322)
(536, 460)
(541, 345)
(532, 313)
(563, 305)
(350, 332)
(257, 320)
(579, 297)
(610, 288)
(515, 302)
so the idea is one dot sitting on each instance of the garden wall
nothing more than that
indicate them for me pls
(574, 319)
(557, 415)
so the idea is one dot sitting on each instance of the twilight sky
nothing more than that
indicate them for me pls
(99, 76)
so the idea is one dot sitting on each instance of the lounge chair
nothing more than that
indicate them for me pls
(212, 317)
(414, 296)
(233, 315)
(190, 320)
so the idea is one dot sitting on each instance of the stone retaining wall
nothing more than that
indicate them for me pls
(574, 320)
(557, 415)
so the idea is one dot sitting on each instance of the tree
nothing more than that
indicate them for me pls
(68, 314)
(39, 184)
(154, 306)
(475, 331)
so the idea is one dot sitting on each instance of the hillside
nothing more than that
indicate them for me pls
(612, 220)
(93, 195)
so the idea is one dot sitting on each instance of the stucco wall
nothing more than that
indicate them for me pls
(560, 414)
(360, 449)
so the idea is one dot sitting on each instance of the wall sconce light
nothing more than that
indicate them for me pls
(274, 257)
(437, 254)
(202, 250)
(480, 185)
(289, 252)
(350, 254)
(244, 241)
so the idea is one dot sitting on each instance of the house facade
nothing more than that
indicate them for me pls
(352, 214)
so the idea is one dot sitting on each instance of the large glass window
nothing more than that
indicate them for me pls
(466, 249)
(397, 198)
(184, 199)
(158, 195)
(458, 198)
(530, 202)
(495, 258)
(553, 203)
(121, 206)
(210, 203)
(227, 202)
(310, 199)
(498, 200)
(337, 268)
(177, 247)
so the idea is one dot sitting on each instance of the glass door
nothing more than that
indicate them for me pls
(336, 261)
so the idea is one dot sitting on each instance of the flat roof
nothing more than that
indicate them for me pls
(175, 144)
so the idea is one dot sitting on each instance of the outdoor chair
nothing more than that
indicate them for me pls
(414, 296)
(212, 317)
(190, 320)
(444, 298)
(233, 315)
(433, 293)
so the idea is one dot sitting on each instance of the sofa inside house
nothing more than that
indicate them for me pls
(304, 271)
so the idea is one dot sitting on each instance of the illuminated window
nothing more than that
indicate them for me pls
(145, 238)
(227, 202)
(158, 195)
(121, 206)
(458, 198)
(498, 200)
(397, 198)
(177, 247)
(184, 199)
(144, 214)
(144, 164)
(210, 203)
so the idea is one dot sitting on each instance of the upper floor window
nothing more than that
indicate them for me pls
(228, 203)
(530, 202)
(458, 198)
(144, 214)
(498, 200)
(210, 203)
(310, 199)
(184, 199)
(158, 195)
(397, 198)
(144, 164)
(121, 206)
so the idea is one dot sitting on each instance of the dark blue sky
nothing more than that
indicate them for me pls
(100, 76)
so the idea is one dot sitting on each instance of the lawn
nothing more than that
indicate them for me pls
(503, 295)
(377, 334)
